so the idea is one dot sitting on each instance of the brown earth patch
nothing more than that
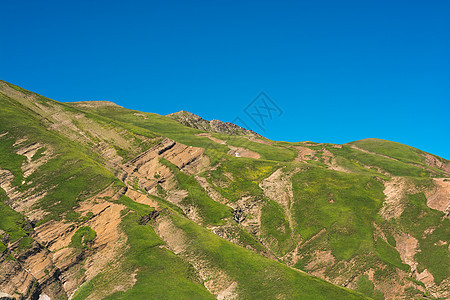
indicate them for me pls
(407, 246)
(304, 153)
(322, 259)
(140, 198)
(439, 197)
(278, 187)
(394, 190)
(242, 152)
(176, 196)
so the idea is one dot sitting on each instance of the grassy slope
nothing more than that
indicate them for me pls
(258, 277)
(246, 174)
(160, 273)
(345, 204)
(398, 151)
(357, 199)
(68, 177)
(186, 135)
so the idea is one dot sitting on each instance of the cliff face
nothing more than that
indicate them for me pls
(97, 200)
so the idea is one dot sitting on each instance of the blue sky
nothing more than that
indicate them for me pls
(339, 70)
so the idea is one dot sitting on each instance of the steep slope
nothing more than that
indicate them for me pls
(99, 201)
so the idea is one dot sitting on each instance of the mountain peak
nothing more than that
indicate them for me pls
(192, 120)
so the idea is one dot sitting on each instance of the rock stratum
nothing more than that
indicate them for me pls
(102, 202)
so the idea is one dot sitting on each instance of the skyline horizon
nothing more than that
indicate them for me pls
(339, 71)
(255, 128)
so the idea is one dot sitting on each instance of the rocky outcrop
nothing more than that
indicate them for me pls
(147, 171)
(194, 121)
(437, 162)
(147, 218)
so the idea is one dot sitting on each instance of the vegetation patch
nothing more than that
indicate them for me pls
(275, 228)
(83, 237)
(366, 287)
(390, 255)
(344, 204)
(210, 211)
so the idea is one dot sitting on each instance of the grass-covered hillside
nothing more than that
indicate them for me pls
(102, 202)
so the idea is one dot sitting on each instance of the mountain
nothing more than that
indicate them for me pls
(102, 202)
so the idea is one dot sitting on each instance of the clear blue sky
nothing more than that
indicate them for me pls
(339, 70)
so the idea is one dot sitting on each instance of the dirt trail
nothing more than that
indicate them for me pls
(214, 139)
(258, 140)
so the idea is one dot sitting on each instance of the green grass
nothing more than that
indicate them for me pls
(366, 287)
(345, 204)
(87, 288)
(9, 160)
(246, 174)
(11, 222)
(2, 247)
(82, 237)
(210, 211)
(269, 152)
(39, 153)
(417, 216)
(161, 274)
(275, 229)
(140, 208)
(435, 256)
(69, 177)
(390, 255)
(395, 150)
(361, 159)
(25, 243)
(258, 277)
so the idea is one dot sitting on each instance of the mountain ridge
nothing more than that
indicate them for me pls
(81, 184)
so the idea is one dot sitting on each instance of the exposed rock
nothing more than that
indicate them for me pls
(238, 215)
(4, 296)
(437, 162)
(147, 218)
(194, 121)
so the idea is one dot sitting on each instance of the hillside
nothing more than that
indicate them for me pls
(102, 202)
